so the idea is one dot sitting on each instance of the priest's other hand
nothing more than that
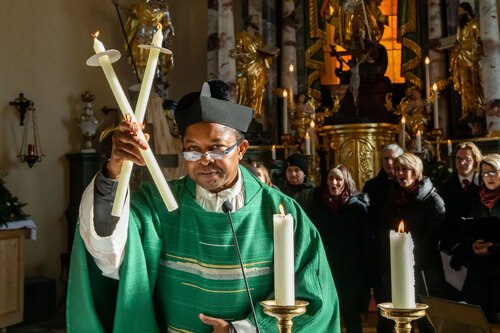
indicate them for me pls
(126, 147)
(219, 325)
(481, 247)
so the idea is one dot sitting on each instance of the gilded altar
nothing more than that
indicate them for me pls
(357, 146)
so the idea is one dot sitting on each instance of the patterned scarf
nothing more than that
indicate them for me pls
(334, 203)
(403, 195)
(489, 197)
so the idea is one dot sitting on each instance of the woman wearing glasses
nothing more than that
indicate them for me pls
(482, 285)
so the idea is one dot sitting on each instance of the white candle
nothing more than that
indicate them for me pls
(449, 147)
(284, 273)
(308, 144)
(419, 142)
(427, 80)
(403, 132)
(436, 112)
(273, 153)
(291, 68)
(313, 138)
(285, 112)
(125, 108)
(140, 111)
(402, 274)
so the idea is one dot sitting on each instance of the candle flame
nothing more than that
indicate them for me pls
(434, 87)
(449, 141)
(159, 26)
(418, 133)
(285, 94)
(274, 147)
(427, 60)
(401, 228)
(291, 68)
(403, 120)
(307, 135)
(313, 124)
(95, 34)
(282, 209)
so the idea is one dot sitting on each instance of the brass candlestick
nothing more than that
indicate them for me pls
(284, 313)
(436, 135)
(402, 317)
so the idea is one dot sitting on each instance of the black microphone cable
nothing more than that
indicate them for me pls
(227, 208)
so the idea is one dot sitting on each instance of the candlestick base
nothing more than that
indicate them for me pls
(284, 313)
(402, 317)
(149, 47)
(114, 56)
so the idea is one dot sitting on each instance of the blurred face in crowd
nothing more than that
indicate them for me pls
(464, 162)
(405, 176)
(491, 177)
(388, 157)
(335, 184)
(213, 175)
(295, 175)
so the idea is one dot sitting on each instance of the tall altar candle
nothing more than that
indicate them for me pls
(427, 80)
(285, 112)
(273, 153)
(419, 142)
(284, 272)
(402, 273)
(125, 108)
(436, 111)
(292, 69)
(403, 132)
(140, 111)
(449, 147)
(308, 143)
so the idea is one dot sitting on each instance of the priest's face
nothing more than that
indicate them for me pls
(212, 174)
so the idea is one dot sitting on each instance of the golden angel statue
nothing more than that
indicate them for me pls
(465, 67)
(253, 59)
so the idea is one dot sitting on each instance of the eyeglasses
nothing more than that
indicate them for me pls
(463, 159)
(489, 173)
(215, 155)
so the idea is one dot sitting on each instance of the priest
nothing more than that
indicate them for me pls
(152, 270)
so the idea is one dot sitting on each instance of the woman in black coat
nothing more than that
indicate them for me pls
(341, 216)
(482, 285)
(415, 201)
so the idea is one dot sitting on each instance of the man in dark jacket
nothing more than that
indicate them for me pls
(458, 192)
(377, 190)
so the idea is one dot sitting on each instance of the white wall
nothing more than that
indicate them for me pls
(44, 48)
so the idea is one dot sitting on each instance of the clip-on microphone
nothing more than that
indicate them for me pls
(227, 208)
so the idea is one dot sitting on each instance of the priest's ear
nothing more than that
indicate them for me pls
(242, 148)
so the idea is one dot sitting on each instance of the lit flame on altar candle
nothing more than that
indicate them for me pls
(401, 228)
(403, 120)
(427, 60)
(435, 87)
(282, 209)
(159, 26)
(95, 34)
(307, 135)
(285, 94)
(291, 68)
(313, 124)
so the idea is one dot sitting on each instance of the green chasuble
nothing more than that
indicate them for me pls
(182, 263)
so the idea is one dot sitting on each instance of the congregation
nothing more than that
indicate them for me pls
(452, 223)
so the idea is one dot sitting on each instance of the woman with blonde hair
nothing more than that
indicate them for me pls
(482, 285)
(414, 200)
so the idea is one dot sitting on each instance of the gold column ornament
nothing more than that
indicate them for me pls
(402, 317)
(284, 313)
(357, 146)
